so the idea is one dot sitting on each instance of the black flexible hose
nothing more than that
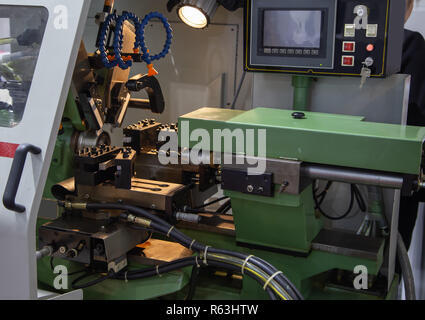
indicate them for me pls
(90, 283)
(343, 216)
(406, 269)
(164, 227)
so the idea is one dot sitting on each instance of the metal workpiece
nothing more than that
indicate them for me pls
(90, 139)
(355, 176)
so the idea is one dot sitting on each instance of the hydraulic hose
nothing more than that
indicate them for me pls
(254, 267)
(406, 269)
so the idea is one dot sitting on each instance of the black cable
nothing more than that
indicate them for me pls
(359, 198)
(159, 225)
(193, 281)
(343, 216)
(223, 207)
(281, 279)
(355, 195)
(210, 203)
(267, 267)
(69, 274)
(90, 283)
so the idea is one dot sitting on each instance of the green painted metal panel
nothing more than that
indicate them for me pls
(285, 222)
(319, 138)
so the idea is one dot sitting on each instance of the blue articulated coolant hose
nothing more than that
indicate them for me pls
(126, 62)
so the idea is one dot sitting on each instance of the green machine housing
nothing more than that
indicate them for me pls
(285, 219)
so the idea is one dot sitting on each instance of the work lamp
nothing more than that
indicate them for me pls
(197, 13)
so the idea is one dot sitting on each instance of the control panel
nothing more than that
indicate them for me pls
(327, 37)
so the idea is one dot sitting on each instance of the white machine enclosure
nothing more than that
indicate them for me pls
(39, 127)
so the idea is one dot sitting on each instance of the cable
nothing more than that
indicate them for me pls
(257, 268)
(69, 274)
(193, 280)
(355, 196)
(110, 274)
(406, 269)
(210, 203)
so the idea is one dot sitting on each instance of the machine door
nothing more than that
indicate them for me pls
(39, 41)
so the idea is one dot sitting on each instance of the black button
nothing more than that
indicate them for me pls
(298, 115)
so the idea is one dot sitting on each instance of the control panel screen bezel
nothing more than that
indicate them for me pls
(315, 52)
(261, 56)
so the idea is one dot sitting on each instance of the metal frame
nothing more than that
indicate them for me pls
(39, 127)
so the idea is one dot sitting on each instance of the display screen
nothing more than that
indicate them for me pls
(292, 28)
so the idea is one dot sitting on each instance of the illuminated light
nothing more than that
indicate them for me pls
(370, 47)
(193, 17)
(197, 13)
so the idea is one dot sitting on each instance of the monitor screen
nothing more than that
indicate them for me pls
(292, 28)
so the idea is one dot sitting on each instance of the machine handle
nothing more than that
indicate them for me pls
(15, 176)
(151, 85)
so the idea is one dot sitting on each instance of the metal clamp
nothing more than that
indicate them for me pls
(15, 176)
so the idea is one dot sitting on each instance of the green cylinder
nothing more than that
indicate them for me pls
(301, 86)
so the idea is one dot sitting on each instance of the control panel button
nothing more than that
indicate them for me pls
(348, 46)
(307, 52)
(275, 50)
(299, 51)
(347, 61)
(372, 31)
(291, 51)
(282, 51)
(315, 52)
(350, 31)
(267, 50)
(370, 47)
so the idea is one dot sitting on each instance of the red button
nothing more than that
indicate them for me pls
(348, 46)
(370, 47)
(348, 61)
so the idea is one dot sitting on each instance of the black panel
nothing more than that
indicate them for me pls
(387, 14)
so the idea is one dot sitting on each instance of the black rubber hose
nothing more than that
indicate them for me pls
(132, 209)
(90, 283)
(162, 269)
(283, 281)
(162, 226)
(406, 269)
(223, 265)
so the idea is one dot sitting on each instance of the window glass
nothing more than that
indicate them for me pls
(21, 33)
